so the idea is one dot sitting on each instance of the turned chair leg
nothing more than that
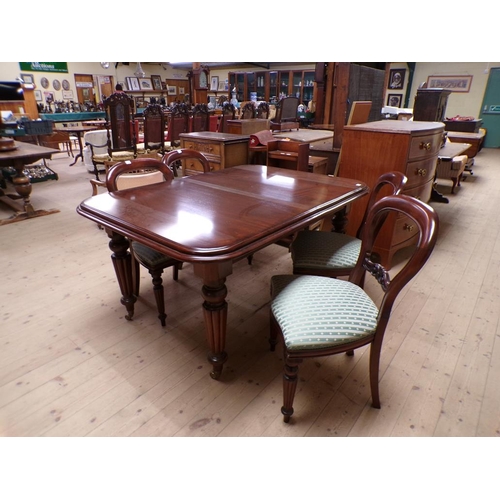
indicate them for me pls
(158, 291)
(289, 387)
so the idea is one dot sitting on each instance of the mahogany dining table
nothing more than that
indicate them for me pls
(212, 220)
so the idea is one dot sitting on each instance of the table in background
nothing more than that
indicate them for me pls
(212, 220)
(24, 154)
(78, 130)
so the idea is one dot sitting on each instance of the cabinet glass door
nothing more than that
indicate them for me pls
(284, 84)
(307, 86)
(260, 86)
(240, 86)
(297, 84)
(273, 87)
(251, 82)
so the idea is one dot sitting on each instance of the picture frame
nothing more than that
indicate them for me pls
(171, 90)
(394, 100)
(48, 96)
(222, 86)
(132, 83)
(156, 81)
(214, 83)
(145, 84)
(453, 83)
(38, 95)
(28, 78)
(181, 90)
(396, 79)
(67, 94)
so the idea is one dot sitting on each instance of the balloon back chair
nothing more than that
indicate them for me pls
(319, 316)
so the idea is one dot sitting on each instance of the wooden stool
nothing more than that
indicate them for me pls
(317, 165)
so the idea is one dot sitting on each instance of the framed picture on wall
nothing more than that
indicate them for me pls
(38, 95)
(394, 100)
(453, 83)
(222, 86)
(132, 83)
(214, 83)
(145, 84)
(396, 79)
(181, 90)
(27, 78)
(156, 80)
(172, 90)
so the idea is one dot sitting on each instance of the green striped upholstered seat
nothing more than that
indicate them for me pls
(317, 312)
(322, 250)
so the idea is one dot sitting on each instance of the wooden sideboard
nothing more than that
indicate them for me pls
(370, 149)
(222, 150)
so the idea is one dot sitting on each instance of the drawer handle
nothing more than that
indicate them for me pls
(408, 227)
(425, 145)
(421, 171)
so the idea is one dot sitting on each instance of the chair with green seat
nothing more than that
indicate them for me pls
(319, 316)
(332, 254)
(132, 174)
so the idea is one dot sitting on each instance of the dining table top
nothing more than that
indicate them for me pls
(224, 214)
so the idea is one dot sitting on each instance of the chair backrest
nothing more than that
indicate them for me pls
(154, 128)
(199, 159)
(137, 172)
(178, 122)
(228, 113)
(426, 223)
(359, 112)
(395, 181)
(120, 125)
(263, 110)
(286, 109)
(201, 118)
(248, 111)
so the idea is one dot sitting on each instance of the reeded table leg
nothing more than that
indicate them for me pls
(214, 293)
(122, 262)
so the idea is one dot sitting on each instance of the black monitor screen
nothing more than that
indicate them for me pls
(11, 91)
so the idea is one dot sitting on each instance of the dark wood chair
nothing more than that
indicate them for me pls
(178, 123)
(332, 254)
(121, 141)
(293, 155)
(154, 130)
(201, 118)
(319, 316)
(286, 114)
(197, 163)
(132, 174)
(248, 111)
(262, 110)
(228, 113)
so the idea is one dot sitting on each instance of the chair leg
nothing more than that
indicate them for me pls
(175, 271)
(375, 349)
(289, 387)
(158, 290)
(135, 275)
(273, 333)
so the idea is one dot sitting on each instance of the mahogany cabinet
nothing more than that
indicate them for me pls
(369, 150)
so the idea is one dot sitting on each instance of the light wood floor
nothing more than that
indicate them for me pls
(71, 365)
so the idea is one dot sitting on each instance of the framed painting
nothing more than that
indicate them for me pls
(38, 95)
(156, 81)
(172, 90)
(27, 78)
(132, 83)
(145, 84)
(214, 83)
(222, 86)
(394, 100)
(453, 83)
(396, 79)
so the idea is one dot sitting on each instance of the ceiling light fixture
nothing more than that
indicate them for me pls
(139, 72)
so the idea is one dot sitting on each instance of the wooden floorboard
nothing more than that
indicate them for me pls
(71, 365)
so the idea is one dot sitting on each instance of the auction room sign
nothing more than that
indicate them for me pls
(50, 67)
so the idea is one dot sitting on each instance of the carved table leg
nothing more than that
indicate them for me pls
(214, 293)
(122, 262)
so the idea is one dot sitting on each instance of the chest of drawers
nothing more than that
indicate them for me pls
(222, 150)
(369, 150)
